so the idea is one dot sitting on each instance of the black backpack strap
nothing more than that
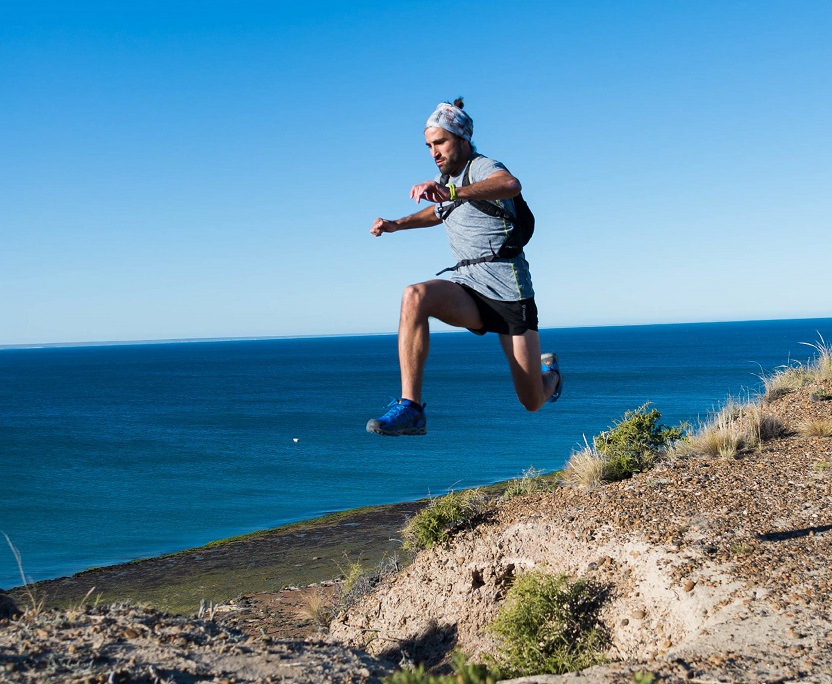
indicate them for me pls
(486, 207)
(479, 260)
(470, 262)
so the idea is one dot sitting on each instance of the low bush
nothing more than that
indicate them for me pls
(549, 625)
(632, 444)
(434, 523)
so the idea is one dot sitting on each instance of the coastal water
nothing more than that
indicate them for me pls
(113, 453)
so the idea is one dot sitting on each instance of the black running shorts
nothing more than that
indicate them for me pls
(505, 318)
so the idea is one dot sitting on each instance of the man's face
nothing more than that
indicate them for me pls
(449, 151)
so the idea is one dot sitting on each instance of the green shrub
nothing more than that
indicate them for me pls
(549, 625)
(434, 523)
(464, 673)
(632, 444)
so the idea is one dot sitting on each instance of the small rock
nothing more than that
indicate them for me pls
(689, 585)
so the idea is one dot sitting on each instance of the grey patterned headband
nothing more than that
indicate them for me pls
(452, 119)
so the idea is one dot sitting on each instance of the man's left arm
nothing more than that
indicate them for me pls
(499, 185)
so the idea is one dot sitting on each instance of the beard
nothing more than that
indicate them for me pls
(452, 164)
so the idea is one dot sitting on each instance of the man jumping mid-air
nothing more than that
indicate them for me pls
(484, 294)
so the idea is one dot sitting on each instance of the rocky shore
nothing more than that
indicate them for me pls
(716, 569)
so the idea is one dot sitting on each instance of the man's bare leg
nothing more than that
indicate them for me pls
(440, 299)
(533, 388)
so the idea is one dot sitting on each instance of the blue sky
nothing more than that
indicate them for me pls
(212, 169)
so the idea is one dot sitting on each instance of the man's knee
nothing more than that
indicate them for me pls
(531, 404)
(415, 298)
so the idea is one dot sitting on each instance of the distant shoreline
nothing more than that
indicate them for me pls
(298, 553)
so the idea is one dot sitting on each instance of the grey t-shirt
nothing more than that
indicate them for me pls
(473, 234)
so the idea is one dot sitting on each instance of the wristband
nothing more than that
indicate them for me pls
(452, 190)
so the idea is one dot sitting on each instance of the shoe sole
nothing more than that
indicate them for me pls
(558, 389)
(378, 430)
(549, 358)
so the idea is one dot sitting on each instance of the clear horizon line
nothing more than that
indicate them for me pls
(253, 338)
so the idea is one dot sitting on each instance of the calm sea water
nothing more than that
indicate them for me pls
(108, 454)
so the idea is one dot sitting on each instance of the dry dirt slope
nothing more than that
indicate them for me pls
(718, 569)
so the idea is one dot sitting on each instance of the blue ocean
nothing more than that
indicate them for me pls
(114, 453)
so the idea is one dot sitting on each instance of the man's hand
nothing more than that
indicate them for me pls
(381, 225)
(430, 191)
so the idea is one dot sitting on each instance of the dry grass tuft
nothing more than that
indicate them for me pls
(821, 366)
(531, 482)
(319, 609)
(720, 436)
(789, 378)
(816, 427)
(36, 602)
(761, 426)
(585, 469)
(734, 429)
(785, 380)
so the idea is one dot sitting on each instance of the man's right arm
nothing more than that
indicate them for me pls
(421, 219)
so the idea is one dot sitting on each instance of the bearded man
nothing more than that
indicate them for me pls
(486, 293)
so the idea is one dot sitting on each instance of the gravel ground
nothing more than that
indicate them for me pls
(717, 570)
(122, 643)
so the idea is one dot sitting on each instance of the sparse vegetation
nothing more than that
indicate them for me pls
(434, 523)
(549, 624)
(532, 481)
(740, 549)
(357, 582)
(36, 602)
(464, 673)
(630, 446)
(785, 380)
(321, 607)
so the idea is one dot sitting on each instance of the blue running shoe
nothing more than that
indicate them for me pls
(405, 417)
(548, 364)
